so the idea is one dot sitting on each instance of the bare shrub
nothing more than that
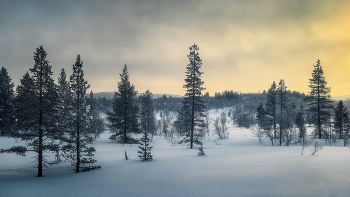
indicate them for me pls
(220, 127)
(259, 133)
(305, 143)
(316, 147)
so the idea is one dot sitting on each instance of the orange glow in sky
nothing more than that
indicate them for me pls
(244, 45)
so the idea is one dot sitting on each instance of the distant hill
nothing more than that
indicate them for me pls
(109, 95)
(344, 97)
(167, 95)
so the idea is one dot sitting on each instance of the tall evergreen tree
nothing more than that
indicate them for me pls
(148, 120)
(78, 138)
(91, 102)
(147, 125)
(47, 97)
(341, 119)
(271, 106)
(7, 120)
(124, 120)
(319, 100)
(97, 123)
(25, 106)
(36, 112)
(194, 117)
(282, 102)
(65, 104)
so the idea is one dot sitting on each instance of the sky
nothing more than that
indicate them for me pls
(244, 45)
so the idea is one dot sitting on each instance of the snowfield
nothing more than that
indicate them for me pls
(240, 166)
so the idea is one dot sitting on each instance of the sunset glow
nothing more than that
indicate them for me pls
(244, 45)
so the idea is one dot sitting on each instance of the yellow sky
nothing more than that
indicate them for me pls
(249, 58)
(244, 45)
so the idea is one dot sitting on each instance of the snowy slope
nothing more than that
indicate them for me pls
(240, 166)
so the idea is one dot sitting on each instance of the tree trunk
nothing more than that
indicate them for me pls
(145, 153)
(40, 152)
(340, 122)
(78, 148)
(40, 145)
(125, 141)
(281, 123)
(318, 110)
(78, 132)
(274, 115)
(192, 116)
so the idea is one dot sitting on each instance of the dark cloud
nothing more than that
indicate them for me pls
(152, 38)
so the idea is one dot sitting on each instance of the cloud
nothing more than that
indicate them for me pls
(245, 45)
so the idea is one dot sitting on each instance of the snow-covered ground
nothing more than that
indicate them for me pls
(240, 166)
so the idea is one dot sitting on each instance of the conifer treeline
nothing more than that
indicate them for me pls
(60, 119)
(316, 109)
(50, 118)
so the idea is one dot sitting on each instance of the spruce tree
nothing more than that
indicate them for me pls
(26, 114)
(194, 116)
(282, 102)
(147, 125)
(264, 122)
(7, 119)
(64, 90)
(165, 126)
(94, 116)
(65, 104)
(318, 100)
(148, 120)
(341, 119)
(47, 100)
(300, 122)
(98, 125)
(261, 116)
(64, 86)
(180, 123)
(145, 152)
(271, 106)
(223, 121)
(36, 112)
(124, 119)
(25, 105)
(76, 149)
